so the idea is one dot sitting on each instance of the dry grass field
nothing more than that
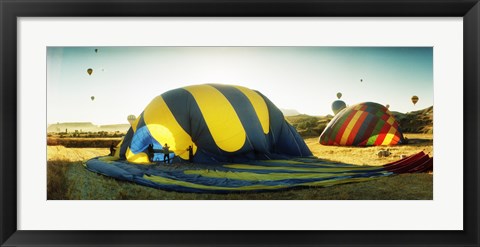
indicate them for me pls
(367, 155)
(69, 180)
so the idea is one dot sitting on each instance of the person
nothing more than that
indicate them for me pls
(112, 150)
(150, 152)
(166, 153)
(190, 153)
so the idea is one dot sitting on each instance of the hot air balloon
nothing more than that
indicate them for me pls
(89, 71)
(414, 99)
(361, 80)
(337, 106)
(131, 119)
(92, 98)
(387, 106)
(364, 124)
(339, 95)
(96, 50)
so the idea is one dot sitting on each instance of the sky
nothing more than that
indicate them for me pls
(307, 79)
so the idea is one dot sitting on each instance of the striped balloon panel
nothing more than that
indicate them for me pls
(220, 121)
(365, 124)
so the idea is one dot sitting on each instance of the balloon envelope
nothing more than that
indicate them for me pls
(90, 71)
(131, 119)
(337, 106)
(364, 124)
(92, 98)
(244, 125)
(414, 99)
(339, 95)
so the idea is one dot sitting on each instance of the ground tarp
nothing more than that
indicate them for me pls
(257, 175)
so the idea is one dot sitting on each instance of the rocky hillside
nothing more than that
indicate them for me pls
(420, 121)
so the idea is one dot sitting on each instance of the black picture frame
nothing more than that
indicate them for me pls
(10, 10)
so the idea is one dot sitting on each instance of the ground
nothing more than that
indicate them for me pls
(68, 179)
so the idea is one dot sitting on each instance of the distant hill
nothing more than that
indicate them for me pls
(289, 112)
(308, 126)
(86, 127)
(420, 121)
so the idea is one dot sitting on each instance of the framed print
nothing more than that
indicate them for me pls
(239, 123)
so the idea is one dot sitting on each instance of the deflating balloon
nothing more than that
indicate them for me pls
(339, 95)
(337, 106)
(364, 124)
(414, 99)
(219, 123)
(90, 71)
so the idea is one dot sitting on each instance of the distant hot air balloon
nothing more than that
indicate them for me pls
(339, 95)
(89, 71)
(96, 50)
(387, 106)
(361, 80)
(414, 99)
(131, 119)
(337, 106)
(92, 98)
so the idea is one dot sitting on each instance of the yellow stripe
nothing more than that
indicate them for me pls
(259, 105)
(349, 128)
(389, 136)
(390, 120)
(167, 181)
(165, 129)
(301, 169)
(249, 176)
(222, 120)
(140, 158)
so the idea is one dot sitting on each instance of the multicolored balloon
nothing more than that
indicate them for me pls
(364, 124)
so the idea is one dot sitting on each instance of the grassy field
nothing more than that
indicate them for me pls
(69, 180)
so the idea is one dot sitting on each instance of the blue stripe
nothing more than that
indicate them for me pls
(256, 140)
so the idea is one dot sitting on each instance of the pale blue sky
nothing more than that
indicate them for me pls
(307, 79)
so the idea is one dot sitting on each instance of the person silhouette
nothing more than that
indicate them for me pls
(190, 154)
(166, 153)
(112, 150)
(150, 152)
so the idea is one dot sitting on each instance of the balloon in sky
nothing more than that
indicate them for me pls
(131, 119)
(339, 95)
(387, 106)
(96, 50)
(414, 99)
(89, 71)
(361, 80)
(337, 106)
(92, 98)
